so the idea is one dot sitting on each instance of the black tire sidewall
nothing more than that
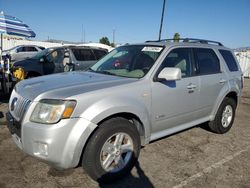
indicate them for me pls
(226, 102)
(96, 142)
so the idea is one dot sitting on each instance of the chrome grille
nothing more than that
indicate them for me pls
(20, 107)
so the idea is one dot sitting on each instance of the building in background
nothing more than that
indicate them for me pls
(243, 57)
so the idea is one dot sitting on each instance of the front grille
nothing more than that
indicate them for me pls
(20, 108)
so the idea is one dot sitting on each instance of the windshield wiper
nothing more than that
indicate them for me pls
(90, 69)
(105, 72)
(101, 71)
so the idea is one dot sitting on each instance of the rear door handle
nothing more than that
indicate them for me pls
(222, 81)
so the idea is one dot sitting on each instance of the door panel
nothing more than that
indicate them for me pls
(210, 88)
(175, 102)
(83, 65)
(212, 79)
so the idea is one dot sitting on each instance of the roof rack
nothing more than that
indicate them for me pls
(191, 40)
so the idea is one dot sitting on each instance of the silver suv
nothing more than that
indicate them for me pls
(137, 93)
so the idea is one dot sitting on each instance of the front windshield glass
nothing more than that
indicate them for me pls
(42, 53)
(132, 61)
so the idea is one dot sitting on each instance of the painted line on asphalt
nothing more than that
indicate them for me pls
(210, 168)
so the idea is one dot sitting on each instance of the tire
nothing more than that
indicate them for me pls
(101, 146)
(220, 126)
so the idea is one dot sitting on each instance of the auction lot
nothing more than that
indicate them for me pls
(192, 158)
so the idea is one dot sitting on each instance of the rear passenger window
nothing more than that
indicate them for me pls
(229, 59)
(30, 49)
(99, 53)
(207, 61)
(83, 54)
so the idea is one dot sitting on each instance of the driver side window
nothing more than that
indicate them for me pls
(179, 58)
(56, 56)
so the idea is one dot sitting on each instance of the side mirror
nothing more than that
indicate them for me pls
(170, 74)
(66, 54)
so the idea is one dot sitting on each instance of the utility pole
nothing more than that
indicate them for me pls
(162, 16)
(114, 36)
(82, 34)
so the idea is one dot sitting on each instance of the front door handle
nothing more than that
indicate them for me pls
(191, 86)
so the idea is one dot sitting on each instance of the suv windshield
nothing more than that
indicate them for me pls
(132, 61)
(42, 53)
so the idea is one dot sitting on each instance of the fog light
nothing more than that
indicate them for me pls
(41, 149)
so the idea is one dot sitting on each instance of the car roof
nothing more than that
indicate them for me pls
(187, 42)
(79, 47)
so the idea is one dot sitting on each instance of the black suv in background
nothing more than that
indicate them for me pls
(60, 59)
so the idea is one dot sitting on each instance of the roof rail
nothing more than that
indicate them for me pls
(191, 40)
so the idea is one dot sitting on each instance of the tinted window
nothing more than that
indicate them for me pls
(229, 59)
(83, 54)
(42, 48)
(30, 49)
(207, 60)
(99, 53)
(56, 56)
(179, 58)
(21, 49)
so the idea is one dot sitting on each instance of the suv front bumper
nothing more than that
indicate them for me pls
(59, 144)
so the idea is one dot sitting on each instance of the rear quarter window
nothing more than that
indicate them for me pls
(229, 59)
(207, 61)
(99, 53)
(83, 54)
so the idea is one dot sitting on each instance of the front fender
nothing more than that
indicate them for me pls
(111, 106)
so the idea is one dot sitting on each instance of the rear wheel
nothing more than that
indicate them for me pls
(224, 117)
(112, 150)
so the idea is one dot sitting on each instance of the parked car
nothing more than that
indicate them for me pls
(18, 53)
(60, 59)
(134, 95)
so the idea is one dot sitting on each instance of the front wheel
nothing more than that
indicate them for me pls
(224, 118)
(112, 150)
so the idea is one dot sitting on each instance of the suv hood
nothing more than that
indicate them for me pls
(25, 61)
(64, 85)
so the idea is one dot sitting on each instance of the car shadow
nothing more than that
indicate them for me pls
(131, 181)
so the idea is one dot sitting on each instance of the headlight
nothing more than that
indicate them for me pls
(50, 111)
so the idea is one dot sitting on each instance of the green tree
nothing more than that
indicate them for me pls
(104, 40)
(176, 37)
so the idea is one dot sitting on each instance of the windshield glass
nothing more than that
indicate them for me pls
(132, 61)
(42, 53)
